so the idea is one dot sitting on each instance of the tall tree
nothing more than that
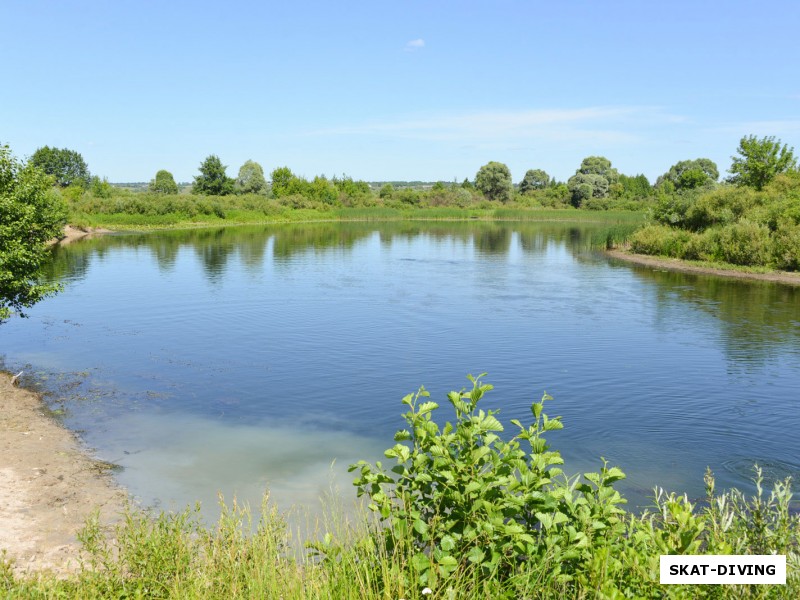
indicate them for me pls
(535, 179)
(164, 183)
(593, 179)
(212, 181)
(66, 166)
(494, 180)
(689, 174)
(251, 178)
(30, 215)
(760, 160)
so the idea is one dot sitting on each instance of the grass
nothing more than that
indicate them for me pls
(174, 555)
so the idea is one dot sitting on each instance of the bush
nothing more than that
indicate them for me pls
(786, 246)
(465, 500)
(660, 240)
(745, 243)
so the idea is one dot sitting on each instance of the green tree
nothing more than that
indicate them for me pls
(535, 179)
(213, 181)
(494, 181)
(164, 183)
(30, 215)
(593, 179)
(66, 166)
(690, 174)
(100, 187)
(251, 178)
(282, 180)
(760, 160)
(635, 187)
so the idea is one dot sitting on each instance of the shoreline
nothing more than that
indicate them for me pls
(678, 265)
(49, 485)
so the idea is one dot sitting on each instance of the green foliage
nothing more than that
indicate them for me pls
(66, 166)
(593, 179)
(466, 499)
(494, 181)
(760, 160)
(251, 179)
(690, 174)
(212, 180)
(284, 182)
(387, 190)
(583, 187)
(736, 225)
(30, 215)
(598, 165)
(535, 179)
(635, 188)
(163, 183)
(100, 188)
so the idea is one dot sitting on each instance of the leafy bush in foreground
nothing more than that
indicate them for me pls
(464, 497)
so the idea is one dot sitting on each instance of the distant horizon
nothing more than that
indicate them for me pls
(397, 91)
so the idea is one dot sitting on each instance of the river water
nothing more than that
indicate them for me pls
(235, 359)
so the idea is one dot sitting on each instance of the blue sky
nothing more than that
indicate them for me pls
(402, 89)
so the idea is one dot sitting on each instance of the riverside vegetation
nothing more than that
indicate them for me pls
(464, 512)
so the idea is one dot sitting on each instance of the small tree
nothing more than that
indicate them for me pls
(213, 181)
(251, 178)
(760, 160)
(494, 181)
(100, 187)
(30, 215)
(535, 179)
(66, 166)
(164, 183)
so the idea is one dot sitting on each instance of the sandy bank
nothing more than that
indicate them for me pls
(674, 264)
(72, 234)
(49, 485)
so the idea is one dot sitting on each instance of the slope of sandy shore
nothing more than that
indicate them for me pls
(674, 264)
(49, 485)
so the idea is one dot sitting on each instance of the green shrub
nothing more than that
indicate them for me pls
(786, 246)
(744, 243)
(722, 206)
(463, 499)
(661, 240)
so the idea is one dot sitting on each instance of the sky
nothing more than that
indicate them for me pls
(385, 90)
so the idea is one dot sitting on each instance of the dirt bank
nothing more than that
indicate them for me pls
(674, 264)
(72, 234)
(48, 485)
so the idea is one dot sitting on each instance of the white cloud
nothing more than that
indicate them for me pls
(591, 124)
(414, 45)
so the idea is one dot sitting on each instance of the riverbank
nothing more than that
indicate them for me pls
(675, 264)
(281, 214)
(49, 485)
(72, 233)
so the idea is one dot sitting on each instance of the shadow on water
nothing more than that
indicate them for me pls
(757, 321)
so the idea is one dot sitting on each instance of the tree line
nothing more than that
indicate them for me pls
(595, 184)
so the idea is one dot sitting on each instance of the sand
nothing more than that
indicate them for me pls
(49, 485)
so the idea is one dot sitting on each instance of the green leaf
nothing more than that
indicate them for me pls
(476, 555)
(426, 407)
(421, 527)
